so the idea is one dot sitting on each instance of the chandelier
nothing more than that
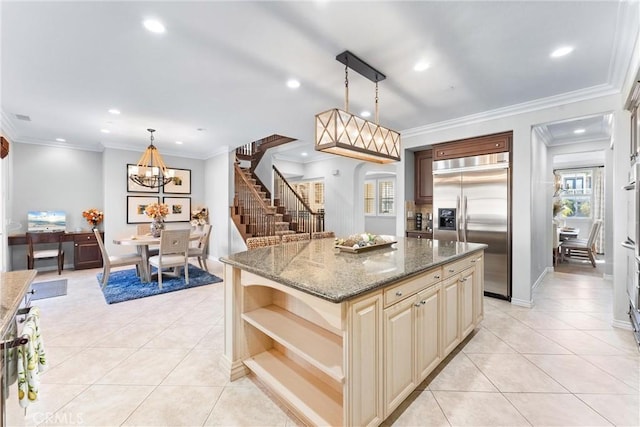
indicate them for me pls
(340, 132)
(151, 170)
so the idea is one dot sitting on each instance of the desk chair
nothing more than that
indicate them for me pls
(174, 248)
(200, 251)
(109, 261)
(581, 248)
(41, 238)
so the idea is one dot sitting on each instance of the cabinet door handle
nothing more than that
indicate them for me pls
(473, 260)
(423, 302)
(451, 270)
(417, 304)
(75, 245)
(398, 294)
(463, 279)
(437, 276)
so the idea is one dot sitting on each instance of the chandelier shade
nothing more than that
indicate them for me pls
(342, 133)
(151, 170)
(345, 134)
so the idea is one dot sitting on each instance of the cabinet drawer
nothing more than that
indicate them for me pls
(84, 237)
(412, 286)
(458, 266)
(498, 143)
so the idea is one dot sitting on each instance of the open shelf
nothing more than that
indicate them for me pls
(314, 400)
(315, 345)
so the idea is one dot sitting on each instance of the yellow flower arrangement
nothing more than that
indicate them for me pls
(93, 216)
(157, 210)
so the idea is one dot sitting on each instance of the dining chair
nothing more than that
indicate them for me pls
(298, 237)
(262, 242)
(145, 230)
(38, 238)
(581, 248)
(323, 235)
(201, 249)
(109, 261)
(174, 252)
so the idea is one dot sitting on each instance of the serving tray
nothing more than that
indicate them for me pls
(351, 250)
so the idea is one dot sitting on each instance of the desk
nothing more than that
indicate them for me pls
(142, 243)
(86, 252)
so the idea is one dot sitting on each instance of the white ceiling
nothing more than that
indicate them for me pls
(222, 66)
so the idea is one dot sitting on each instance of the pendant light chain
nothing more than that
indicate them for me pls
(346, 88)
(376, 102)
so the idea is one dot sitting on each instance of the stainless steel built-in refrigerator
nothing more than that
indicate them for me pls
(471, 203)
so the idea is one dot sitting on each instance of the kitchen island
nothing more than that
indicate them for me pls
(343, 338)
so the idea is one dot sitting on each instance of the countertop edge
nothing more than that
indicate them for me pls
(366, 289)
(18, 290)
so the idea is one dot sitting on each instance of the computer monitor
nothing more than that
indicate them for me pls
(46, 221)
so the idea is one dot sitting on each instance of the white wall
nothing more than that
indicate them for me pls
(542, 213)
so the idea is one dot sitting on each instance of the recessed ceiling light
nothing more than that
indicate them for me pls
(421, 66)
(365, 113)
(293, 84)
(304, 154)
(105, 131)
(179, 142)
(114, 111)
(561, 51)
(61, 140)
(154, 26)
(578, 131)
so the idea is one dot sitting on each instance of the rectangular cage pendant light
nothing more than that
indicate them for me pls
(345, 134)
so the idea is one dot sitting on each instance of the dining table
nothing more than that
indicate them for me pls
(568, 233)
(142, 243)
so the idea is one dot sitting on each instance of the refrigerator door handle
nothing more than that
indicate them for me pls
(466, 220)
(458, 217)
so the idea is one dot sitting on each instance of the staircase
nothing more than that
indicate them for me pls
(252, 211)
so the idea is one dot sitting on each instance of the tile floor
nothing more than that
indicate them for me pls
(154, 361)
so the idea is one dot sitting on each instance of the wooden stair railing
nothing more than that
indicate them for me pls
(296, 209)
(253, 216)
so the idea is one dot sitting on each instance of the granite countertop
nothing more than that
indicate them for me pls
(317, 268)
(13, 286)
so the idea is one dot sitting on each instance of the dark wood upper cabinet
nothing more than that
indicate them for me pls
(489, 144)
(424, 177)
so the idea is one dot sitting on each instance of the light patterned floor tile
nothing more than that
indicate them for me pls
(478, 409)
(579, 342)
(52, 398)
(420, 409)
(485, 341)
(145, 367)
(514, 373)
(101, 405)
(555, 410)
(619, 409)
(175, 406)
(460, 374)
(624, 368)
(86, 367)
(198, 368)
(579, 376)
(529, 341)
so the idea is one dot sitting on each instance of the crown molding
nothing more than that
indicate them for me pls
(516, 109)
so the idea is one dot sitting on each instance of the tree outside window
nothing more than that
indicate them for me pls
(575, 194)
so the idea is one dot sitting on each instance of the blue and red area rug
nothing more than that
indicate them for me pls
(125, 285)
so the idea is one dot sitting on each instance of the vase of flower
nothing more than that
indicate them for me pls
(157, 225)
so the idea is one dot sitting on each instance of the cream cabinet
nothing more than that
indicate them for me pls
(412, 344)
(350, 363)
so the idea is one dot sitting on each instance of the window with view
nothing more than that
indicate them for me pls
(379, 197)
(576, 193)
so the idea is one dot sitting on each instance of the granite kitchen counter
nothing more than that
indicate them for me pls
(13, 286)
(317, 268)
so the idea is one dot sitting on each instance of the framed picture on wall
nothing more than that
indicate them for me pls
(136, 206)
(181, 183)
(137, 188)
(179, 208)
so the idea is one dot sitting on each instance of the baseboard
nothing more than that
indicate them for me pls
(541, 278)
(235, 370)
(622, 324)
(522, 303)
(607, 277)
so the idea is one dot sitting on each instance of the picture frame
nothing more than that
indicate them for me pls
(135, 208)
(181, 183)
(179, 209)
(132, 187)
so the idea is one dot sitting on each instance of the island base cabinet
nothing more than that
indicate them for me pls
(411, 344)
(364, 399)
